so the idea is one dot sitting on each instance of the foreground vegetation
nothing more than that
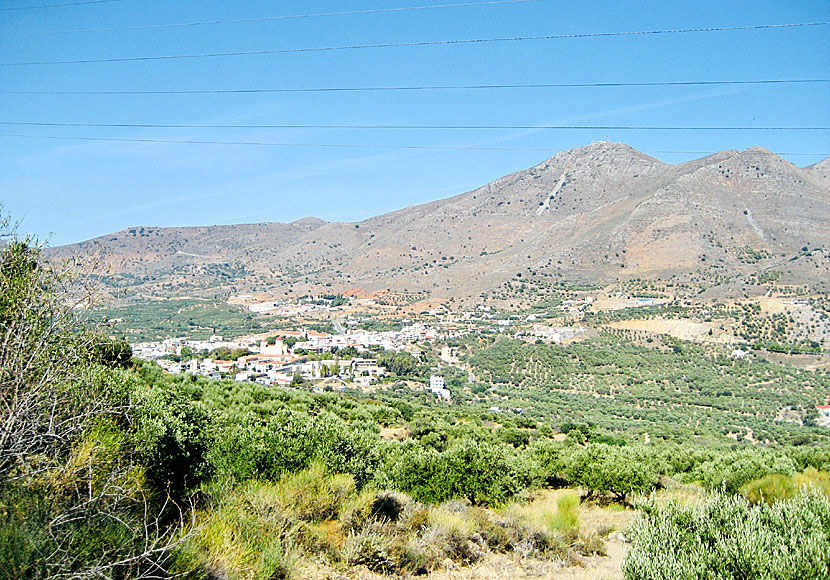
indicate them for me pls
(727, 537)
(111, 469)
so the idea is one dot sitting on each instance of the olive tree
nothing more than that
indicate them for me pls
(75, 494)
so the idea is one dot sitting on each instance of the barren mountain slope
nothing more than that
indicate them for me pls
(820, 172)
(596, 213)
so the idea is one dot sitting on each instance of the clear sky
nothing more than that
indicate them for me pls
(70, 190)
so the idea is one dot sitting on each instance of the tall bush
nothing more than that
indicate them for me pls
(727, 538)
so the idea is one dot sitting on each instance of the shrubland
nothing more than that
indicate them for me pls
(725, 536)
(97, 468)
(112, 469)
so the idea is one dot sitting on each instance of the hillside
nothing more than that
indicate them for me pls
(593, 214)
(112, 467)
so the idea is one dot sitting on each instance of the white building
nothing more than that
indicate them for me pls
(738, 354)
(436, 386)
(435, 383)
(546, 333)
(449, 355)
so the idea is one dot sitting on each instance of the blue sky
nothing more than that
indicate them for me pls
(70, 190)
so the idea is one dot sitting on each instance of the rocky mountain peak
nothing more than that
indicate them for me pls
(597, 213)
(309, 223)
(820, 171)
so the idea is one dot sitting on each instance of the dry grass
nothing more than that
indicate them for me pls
(555, 510)
(317, 526)
(492, 567)
(394, 433)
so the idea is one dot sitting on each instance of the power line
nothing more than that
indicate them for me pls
(344, 145)
(58, 5)
(272, 144)
(408, 127)
(419, 88)
(414, 44)
(264, 18)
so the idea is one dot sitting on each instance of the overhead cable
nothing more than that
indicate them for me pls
(409, 127)
(263, 18)
(411, 88)
(58, 5)
(343, 145)
(413, 44)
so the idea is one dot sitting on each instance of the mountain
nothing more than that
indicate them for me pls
(594, 214)
(820, 171)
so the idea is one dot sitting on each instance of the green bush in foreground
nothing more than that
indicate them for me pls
(726, 537)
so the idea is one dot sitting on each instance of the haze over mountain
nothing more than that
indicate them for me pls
(597, 213)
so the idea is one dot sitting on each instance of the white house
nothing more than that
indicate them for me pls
(436, 383)
(449, 355)
(436, 386)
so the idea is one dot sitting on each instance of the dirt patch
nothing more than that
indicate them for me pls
(682, 329)
(810, 362)
(776, 305)
(501, 567)
(394, 433)
(506, 566)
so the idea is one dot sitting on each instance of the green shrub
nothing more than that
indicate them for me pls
(370, 548)
(729, 471)
(313, 494)
(775, 487)
(389, 505)
(247, 536)
(726, 537)
(566, 516)
(612, 469)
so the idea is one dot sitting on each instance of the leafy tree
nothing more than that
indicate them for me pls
(298, 380)
(399, 363)
(608, 468)
(729, 471)
(347, 352)
(225, 353)
(112, 352)
(172, 435)
(514, 437)
(479, 472)
(72, 486)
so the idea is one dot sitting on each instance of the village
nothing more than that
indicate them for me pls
(342, 356)
(333, 361)
(293, 357)
(334, 343)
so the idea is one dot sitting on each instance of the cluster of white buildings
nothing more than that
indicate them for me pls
(279, 364)
(270, 363)
(550, 334)
(319, 342)
(361, 371)
(173, 346)
(285, 308)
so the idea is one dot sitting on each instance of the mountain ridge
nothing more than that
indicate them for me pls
(593, 214)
